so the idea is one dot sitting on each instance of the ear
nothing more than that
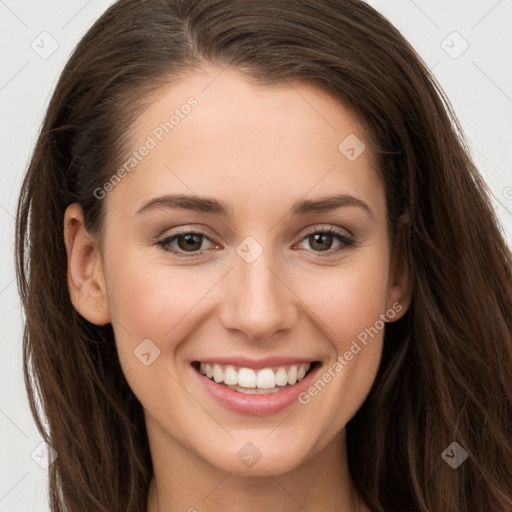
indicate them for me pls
(86, 281)
(400, 280)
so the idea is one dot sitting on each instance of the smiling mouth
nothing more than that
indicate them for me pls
(255, 382)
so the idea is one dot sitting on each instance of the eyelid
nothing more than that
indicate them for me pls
(316, 228)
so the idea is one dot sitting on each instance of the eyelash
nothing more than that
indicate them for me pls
(347, 241)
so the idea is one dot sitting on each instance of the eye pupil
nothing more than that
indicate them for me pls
(192, 241)
(319, 240)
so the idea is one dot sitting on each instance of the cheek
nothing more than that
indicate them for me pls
(350, 302)
(348, 298)
(153, 301)
(153, 309)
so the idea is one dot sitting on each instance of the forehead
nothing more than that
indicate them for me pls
(214, 133)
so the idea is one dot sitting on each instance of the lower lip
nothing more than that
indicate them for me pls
(256, 405)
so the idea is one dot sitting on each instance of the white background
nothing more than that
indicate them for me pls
(478, 83)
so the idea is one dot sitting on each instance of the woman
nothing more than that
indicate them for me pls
(260, 270)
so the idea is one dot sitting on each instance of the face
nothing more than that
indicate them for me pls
(248, 242)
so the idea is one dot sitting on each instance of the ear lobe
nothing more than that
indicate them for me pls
(86, 283)
(400, 283)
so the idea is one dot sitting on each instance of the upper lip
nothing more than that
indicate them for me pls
(246, 362)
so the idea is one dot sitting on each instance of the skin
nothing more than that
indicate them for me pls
(258, 149)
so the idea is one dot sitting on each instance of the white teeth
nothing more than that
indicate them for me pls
(292, 375)
(266, 379)
(281, 377)
(218, 374)
(249, 391)
(230, 376)
(247, 380)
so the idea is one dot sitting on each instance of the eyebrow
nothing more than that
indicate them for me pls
(220, 208)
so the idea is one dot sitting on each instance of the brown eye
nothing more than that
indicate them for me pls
(184, 243)
(322, 240)
(189, 242)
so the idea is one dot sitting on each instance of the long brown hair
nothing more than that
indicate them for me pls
(446, 370)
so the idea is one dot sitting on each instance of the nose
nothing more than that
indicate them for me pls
(257, 300)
